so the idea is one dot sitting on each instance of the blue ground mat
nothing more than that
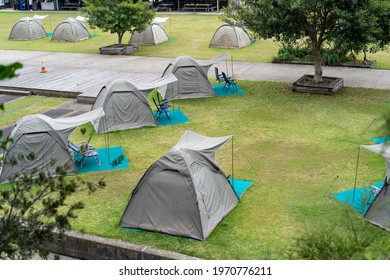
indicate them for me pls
(359, 199)
(240, 186)
(232, 91)
(107, 158)
(381, 140)
(176, 116)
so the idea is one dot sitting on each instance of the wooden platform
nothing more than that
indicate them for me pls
(83, 84)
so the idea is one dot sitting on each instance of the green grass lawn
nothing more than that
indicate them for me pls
(297, 148)
(190, 35)
(292, 145)
(27, 106)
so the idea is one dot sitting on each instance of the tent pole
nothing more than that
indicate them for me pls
(356, 173)
(232, 163)
(107, 139)
(226, 66)
(232, 67)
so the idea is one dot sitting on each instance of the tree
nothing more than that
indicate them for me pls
(118, 16)
(335, 23)
(35, 210)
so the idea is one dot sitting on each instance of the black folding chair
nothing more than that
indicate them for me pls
(229, 82)
(218, 76)
(162, 107)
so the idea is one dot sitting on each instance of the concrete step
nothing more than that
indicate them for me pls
(13, 91)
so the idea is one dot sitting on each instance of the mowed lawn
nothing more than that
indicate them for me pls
(297, 148)
(190, 34)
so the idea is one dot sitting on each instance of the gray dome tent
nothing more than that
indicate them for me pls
(230, 36)
(154, 34)
(192, 78)
(125, 104)
(27, 28)
(184, 192)
(378, 212)
(47, 139)
(70, 30)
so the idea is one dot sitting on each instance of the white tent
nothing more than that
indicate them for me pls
(154, 34)
(27, 28)
(70, 30)
(125, 103)
(378, 212)
(230, 36)
(192, 76)
(47, 139)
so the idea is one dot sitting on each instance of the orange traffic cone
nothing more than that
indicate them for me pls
(43, 68)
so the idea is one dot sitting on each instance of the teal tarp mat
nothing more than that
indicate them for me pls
(176, 116)
(219, 90)
(360, 201)
(381, 140)
(240, 186)
(106, 156)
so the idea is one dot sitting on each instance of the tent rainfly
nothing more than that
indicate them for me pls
(126, 105)
(40, 18)
(154, 34)
(378, 212)
(230, 36)
(184, 192)
(27, 28)
(192, 78)
(160, 21)
(81, 19)
(70, 30)
(47, 139)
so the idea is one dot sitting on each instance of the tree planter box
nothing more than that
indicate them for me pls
(119, 49)
(328, 86)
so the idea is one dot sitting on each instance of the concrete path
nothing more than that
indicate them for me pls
(256, 71)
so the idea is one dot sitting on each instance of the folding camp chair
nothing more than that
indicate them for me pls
(229, 82)
(162, 106)
(83, 150)
(218, 76)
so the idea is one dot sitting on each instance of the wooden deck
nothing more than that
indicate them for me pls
(83, 84)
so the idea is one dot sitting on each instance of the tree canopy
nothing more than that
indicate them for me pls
(118, 16)
(351, 24)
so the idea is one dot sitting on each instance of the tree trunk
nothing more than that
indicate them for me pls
(317, 59)
(120, 36)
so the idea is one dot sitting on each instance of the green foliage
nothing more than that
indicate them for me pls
(117, 161)
(343, 24)
(353, 239)
(8, 71)
(291, 53)
(118, 16)
(33, 208)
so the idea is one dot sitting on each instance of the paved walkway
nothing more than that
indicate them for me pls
(256, 71)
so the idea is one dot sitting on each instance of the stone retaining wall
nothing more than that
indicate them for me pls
(83, 246)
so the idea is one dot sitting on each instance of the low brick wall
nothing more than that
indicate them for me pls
(83, 246)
